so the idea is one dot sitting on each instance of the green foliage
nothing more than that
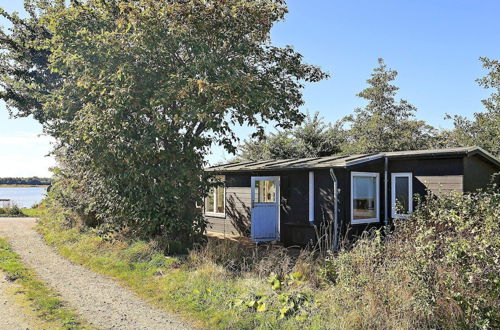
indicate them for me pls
(295, 304)
(32, 181)
(45, 302)
(384, 124)
(484, 129)
(135, 93)
(313, 138)
(25, 76)
(438, 269)
(13, 211)
(193, 284)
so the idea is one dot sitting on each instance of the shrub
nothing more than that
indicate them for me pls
(439, 268)
(13, 211)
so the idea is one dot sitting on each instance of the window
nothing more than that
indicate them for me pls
(364, 197)
(265, 191)
(215, 203)
(402, 194)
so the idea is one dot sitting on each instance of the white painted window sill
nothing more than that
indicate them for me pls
(364, 221)
(215, 215)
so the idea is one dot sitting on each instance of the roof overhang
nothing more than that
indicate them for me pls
(346, 161)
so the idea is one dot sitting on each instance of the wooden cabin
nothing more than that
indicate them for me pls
(285, 200)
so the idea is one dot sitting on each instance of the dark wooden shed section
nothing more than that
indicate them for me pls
(287, 200)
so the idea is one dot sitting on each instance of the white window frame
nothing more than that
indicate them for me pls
(215, 213)
(408, 175)
(377, 196)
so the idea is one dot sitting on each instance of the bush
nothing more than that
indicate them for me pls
(13, 211)
(438, 268)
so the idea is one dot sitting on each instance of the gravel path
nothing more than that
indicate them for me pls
(12, 316)
(99, 300)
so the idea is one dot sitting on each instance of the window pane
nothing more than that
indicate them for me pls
(220, 200)
(402, 187)
(265, 191)
(209, 201)
(364, 197)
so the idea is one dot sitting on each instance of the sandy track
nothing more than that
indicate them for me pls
(99, 300)
(12, 315)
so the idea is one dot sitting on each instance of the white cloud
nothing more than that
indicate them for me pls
(24, 154)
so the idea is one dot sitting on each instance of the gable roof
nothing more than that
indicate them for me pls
(346, 161)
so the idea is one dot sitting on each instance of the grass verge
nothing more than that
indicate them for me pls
(16, 212)
(196, 288)
(437, 269)
(46, 304)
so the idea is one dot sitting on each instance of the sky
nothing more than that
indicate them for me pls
(435, 46)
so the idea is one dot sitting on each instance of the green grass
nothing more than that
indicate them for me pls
(203, 293)
(15, 212)
(34, 212)
(437, 270)
(47, 306)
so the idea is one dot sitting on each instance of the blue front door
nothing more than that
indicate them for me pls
(265, 208)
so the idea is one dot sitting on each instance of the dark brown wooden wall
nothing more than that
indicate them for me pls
(478, 173)
(440, 175)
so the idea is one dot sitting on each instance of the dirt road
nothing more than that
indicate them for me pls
(98, 299)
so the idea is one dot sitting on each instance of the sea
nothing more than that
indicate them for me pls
(24, 197)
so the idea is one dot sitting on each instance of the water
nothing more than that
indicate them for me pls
(23, 197)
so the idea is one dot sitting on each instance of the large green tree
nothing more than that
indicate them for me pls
(385, 124)
(25, 77)
(484, 129)
(146, 87)
(313, 138)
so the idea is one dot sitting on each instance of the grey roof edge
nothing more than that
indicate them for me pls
(365, 159)
(466, 151)
(485, 154)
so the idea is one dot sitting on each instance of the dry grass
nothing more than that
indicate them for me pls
(438, 269)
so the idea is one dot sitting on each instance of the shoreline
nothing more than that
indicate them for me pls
(22, 186)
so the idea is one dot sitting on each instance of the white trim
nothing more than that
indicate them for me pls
(377, 195)
(393, 194)
(217, 214)
(311, 197)
(277, 203)
(364, 160)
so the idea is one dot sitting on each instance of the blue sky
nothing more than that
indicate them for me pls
(435, 46)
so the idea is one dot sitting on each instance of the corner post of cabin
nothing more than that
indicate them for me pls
(386, 193)
(311, 198)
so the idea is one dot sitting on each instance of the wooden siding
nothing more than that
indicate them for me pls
(442, 184)
(479, 173)
(437, 174)
(216, 224)
(238, 204)
(236, 221)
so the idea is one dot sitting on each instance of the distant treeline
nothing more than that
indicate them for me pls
(33, 181)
